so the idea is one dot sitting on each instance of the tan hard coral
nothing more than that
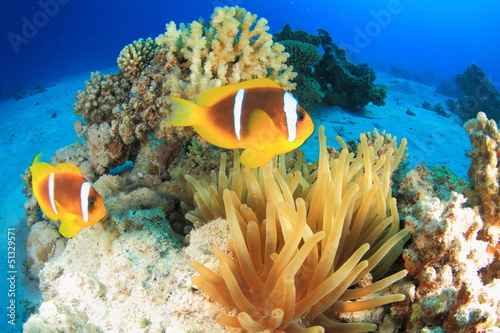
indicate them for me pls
(485, 168)
(301, 237)
(136, 56)
(233, 47)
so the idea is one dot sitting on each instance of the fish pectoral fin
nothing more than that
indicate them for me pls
(261, 128)
(253, 158)
(64, 216)
(184, 113)
(69, 229)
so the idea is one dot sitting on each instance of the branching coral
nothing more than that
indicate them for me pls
(301, 239)
(135, 56)
(303, 56)
(232, 48)
(308, 91)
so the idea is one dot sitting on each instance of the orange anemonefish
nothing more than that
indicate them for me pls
(256, 115)
(64, 195)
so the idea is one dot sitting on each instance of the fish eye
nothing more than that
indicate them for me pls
(91, 203)
(300, 116)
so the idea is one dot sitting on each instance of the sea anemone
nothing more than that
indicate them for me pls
(302, 235)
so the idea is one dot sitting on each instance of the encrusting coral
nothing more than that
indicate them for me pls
(123, 111)
(302, 235)
(454, 288)
(453, 257)
(44, 243)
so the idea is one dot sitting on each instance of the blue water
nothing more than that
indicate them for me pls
(47, 40)
(75, 36)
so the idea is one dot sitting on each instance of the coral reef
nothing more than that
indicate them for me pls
(44, 243)
(480, 94)
(438, 108)
(484, 170)
(449, 259)
(485, 178)
(308, 91)
(136, 56)
(329, 78)
(289, 229)
(452, 258)
(134, 254)
(134, 281)
(123, 111)
(298, 35)
(343, 83)
(303, 56)
(295, 267)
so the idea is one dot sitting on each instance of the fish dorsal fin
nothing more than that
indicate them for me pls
(69, 168)
(40, 170)
(37, 158)
(69, 229)
(215, 95)
(261, 127)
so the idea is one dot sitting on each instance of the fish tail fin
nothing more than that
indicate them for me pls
(37, 158)
(183, 113)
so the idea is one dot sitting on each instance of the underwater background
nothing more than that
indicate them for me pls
(49, 47)
(421, 36)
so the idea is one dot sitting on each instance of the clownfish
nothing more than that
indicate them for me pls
(256, 115)
(63, 194)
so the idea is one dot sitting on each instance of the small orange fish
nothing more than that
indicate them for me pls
(64, 195)
(256, 115)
